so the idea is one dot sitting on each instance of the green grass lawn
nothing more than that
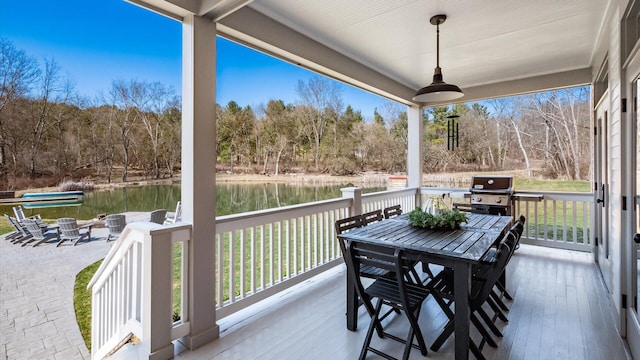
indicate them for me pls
(552, 185)
(82, 301)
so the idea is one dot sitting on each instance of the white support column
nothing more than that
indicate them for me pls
(414, 148)
(199, 171)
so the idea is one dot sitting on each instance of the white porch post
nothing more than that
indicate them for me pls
(414, 148)
(354, 193)
(199, 171)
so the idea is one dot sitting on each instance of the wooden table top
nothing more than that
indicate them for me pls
(469, 243)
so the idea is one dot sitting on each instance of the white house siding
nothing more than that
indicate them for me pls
(615, 162)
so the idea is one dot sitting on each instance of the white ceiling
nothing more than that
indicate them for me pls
(388, 46)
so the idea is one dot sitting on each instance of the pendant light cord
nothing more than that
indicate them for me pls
(438, 45)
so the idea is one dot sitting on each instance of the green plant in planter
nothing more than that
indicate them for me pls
(449, 219)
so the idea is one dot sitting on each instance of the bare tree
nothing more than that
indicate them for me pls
(42, 119)
(277, 132)
(565, 114)
(319, 95)
(124, 115)
(152, 102)
(18, 72)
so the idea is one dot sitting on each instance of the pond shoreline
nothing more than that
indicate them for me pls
(365, 180)
(368, 179)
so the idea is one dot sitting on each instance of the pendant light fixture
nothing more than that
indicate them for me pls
(438, 90)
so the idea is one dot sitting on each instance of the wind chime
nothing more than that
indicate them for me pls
(452, 132)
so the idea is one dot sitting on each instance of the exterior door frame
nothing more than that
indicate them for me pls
(630, 285)
(601, 192)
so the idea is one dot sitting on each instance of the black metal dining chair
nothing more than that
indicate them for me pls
(485, 278)
(394, 292)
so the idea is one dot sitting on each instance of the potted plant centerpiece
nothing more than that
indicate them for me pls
(437, 215)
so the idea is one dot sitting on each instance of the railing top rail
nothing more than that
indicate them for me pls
(561, 195)
(432, 189)
(299, 210)
(546, 192)
(123, 242)
(390, 192)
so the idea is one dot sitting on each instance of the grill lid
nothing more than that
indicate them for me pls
(492, 184)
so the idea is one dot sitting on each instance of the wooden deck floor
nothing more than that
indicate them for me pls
(560, 311)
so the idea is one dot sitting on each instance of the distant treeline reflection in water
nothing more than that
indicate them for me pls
(230, 199)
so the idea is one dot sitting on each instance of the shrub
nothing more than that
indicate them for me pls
(76, 186)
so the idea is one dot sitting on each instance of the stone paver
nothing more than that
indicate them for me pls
(37, 319)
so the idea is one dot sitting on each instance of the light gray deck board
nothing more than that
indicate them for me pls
(560, 312)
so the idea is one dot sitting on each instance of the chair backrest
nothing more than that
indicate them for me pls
(372, 216)
(344, 225)
(158, 216)
(384, 258)
(176, 215)
(491, 273)
(34, 228)
(347, 224)
(19, 213)
(68, 227)
(16, 225)
(116, 223)
(520, 222)
(392, 211)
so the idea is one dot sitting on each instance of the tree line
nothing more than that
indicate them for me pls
(49, 133)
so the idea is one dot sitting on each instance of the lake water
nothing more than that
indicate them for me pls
(230, 199)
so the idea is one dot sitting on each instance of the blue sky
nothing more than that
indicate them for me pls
(96, 42)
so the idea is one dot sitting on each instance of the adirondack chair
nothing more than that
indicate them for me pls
(158, 216)
(19, 212)
(176, 215)
(69, 230)
(115, 224)
(19, 234)
(39, 235)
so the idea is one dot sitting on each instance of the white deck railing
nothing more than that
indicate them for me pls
(260, 253)
(134, 291)
(264, 252)
(554, 219)
(560, 220)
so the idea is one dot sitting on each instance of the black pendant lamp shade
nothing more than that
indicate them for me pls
(438, 90)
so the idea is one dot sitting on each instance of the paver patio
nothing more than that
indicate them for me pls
(37, 318)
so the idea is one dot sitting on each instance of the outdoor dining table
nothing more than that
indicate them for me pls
(458, 249)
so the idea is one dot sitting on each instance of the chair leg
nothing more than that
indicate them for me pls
(40, 242)
(504, 291)
(371, 311)
(494, 329)
(497, 310)
(373, 325)
(483, 331)
(476, 351)
(85, 235)
(498, 301)
(414, 331)
(28, 240)
(448, 330)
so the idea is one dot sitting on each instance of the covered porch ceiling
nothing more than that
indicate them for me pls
(489, 48)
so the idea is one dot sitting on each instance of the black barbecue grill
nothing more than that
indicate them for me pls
(492, 194)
